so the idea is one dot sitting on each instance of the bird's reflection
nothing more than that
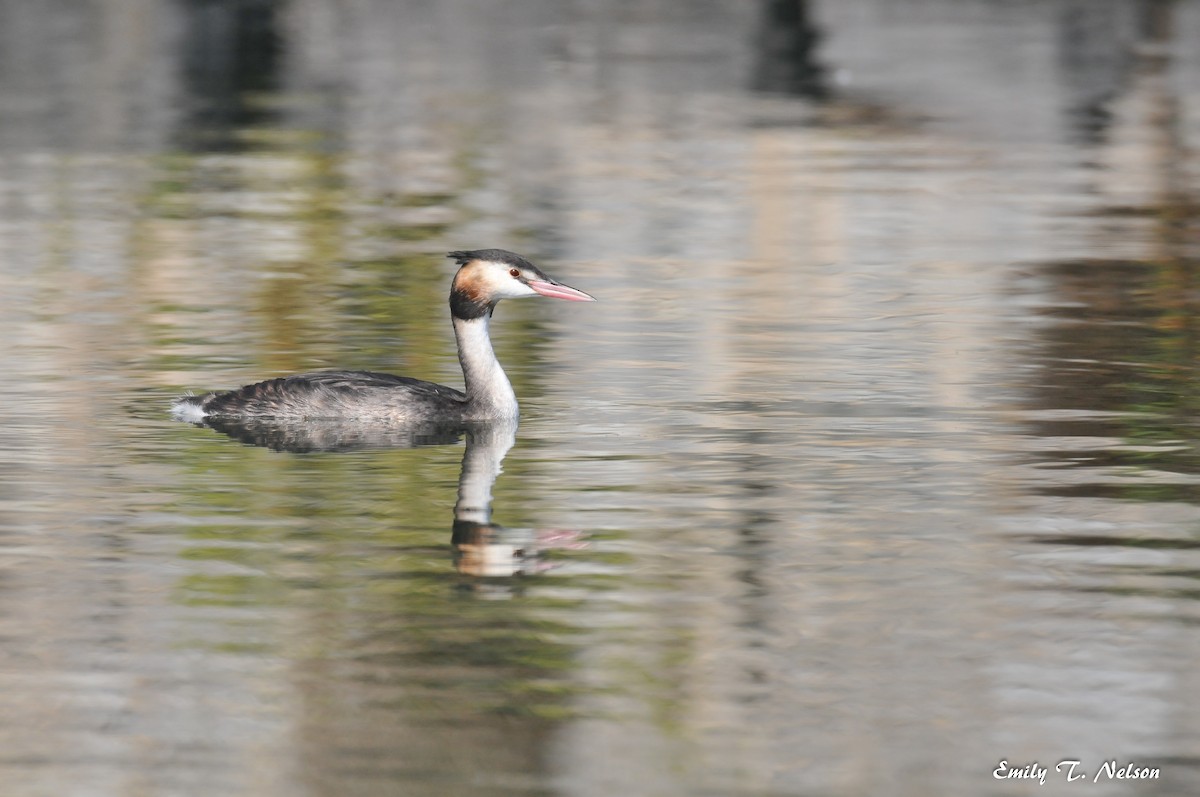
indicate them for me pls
(482, 549)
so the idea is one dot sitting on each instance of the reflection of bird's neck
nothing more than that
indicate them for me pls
(489, 393)
(487, 445)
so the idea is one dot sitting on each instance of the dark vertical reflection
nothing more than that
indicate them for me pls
(1094, 58)
(754, 546)
(232, 51)
(1157, 18)
(1124, 332)
(785, 51)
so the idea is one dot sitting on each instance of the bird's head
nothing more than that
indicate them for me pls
(485, 276)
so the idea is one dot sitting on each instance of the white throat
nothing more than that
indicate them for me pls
(489, 393)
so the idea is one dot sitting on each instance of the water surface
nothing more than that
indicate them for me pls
(874, 465)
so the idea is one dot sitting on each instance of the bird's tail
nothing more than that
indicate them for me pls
(189, 408)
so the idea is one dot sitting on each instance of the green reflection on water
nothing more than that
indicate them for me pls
(354, 550)
(340, 565)
(1127, 344)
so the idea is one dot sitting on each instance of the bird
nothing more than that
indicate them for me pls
(484, 277)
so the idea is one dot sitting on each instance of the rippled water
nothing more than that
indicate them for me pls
(874, 466)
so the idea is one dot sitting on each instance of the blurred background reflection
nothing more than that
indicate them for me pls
(874, 466)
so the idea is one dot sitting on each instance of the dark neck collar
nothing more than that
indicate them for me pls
(463, 306)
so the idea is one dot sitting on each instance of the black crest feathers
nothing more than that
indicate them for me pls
(462, 257)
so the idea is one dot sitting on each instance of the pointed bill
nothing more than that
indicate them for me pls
(556, 290)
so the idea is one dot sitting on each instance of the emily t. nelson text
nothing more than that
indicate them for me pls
(1072, 771)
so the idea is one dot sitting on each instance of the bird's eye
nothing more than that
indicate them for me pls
(516, 272)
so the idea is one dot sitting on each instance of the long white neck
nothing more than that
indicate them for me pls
(489, 393)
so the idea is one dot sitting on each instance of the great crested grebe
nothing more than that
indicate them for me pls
(485, 276)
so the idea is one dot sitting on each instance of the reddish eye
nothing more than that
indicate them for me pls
(516, 272)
